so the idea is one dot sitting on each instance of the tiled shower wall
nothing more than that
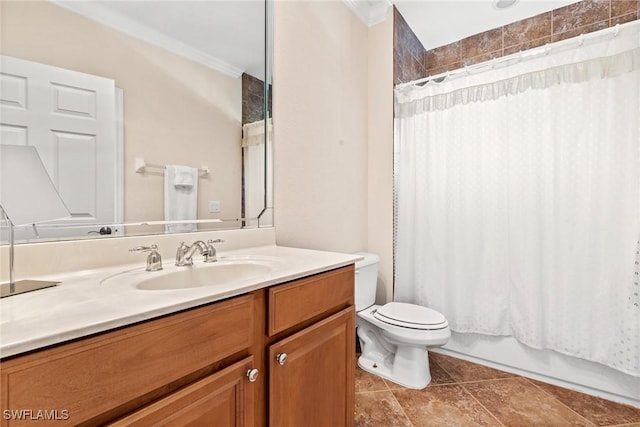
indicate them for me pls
(408, 53)
(583, 17)
(253, 99)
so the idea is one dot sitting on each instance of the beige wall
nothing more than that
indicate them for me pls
(176, 111)
(333, 132)
(380, 156)
(333, 123)
(320, 126)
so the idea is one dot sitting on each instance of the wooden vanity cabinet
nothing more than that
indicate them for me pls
(223, 399)
(311, 352)
(191, 368)
(314, 384)
(98, 379)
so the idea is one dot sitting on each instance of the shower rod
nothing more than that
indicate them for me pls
(528, 54)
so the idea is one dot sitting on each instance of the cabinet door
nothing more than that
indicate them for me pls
(314, 386)
(223, 399)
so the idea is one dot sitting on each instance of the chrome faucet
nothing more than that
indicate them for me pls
(185, 253)
(211, 250)
(154, 260)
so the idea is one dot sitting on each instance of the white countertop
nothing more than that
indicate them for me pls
(91, 301)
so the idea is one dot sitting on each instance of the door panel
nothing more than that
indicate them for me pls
(315, 385)
(223, 399)
(70, 117)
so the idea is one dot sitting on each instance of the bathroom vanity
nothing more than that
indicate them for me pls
(276, 352)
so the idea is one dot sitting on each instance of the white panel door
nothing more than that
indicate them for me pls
(70, 117)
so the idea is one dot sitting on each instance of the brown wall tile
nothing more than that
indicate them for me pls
(481, 58)
(579, 18)
(527, 30)
(580, 14)
(252, 99)
(623, 7)
(526, 46)
(408, 40)
(580, 30)
(408, 52)
(443, 55)
(444, 68)
(408, 69)
(624, 19)
(483, 43)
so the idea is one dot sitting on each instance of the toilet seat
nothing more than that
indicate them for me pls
(410, 316)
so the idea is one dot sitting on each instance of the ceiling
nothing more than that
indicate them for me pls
(226, 35)
(440, 22)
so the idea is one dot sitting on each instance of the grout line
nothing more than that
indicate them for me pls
(632, 424)
(378, 377)
(472, 381)
(558, 400)
(489, 380)
(480, 403)
(610, 11)
(372, 391)
(529, 42)
(432, 362)
(399, 387)
(394, 398)
(402, 409)
(386, 384)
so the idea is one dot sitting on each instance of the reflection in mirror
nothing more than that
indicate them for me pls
(149, 116)
(42, 203)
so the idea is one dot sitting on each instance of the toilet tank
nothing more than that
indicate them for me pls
(366, 280)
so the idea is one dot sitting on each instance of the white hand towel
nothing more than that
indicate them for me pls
(184, 178)
(180, 197)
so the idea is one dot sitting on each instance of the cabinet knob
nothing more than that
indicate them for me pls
(252, 374)
(281, 358)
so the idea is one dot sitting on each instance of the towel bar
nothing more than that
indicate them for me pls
(141, 167)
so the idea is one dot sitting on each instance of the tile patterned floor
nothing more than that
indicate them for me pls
(464, 394)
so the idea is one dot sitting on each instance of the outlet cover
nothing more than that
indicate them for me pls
(214, 206)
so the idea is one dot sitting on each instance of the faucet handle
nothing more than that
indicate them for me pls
(153, 247)
(154, 260)
(210, 256)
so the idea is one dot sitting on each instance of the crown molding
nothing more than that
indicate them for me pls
(135, 29)
(371, 12)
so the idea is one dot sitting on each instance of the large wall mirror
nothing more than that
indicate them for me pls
(149, 116)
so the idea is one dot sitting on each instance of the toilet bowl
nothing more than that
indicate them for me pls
(394, 337)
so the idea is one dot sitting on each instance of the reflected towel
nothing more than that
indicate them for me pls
(180, 197)
(184, 178)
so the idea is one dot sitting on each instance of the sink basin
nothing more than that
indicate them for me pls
(207, 275)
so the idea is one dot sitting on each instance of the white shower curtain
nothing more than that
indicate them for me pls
(518, 201)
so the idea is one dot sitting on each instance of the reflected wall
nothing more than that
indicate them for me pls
(176, 111)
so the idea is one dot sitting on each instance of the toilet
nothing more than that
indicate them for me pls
(394, 337)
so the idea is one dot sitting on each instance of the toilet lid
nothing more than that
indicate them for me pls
(410, 316)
